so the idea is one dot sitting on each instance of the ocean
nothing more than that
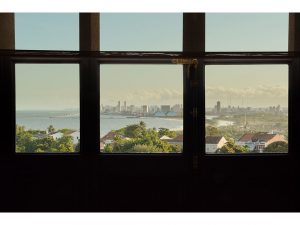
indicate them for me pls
(40, 120)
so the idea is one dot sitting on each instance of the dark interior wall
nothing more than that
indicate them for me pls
(40, 183)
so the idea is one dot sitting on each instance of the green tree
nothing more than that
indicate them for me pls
(141, 140)
(231, 148)
(24, 141)
(51, 129)
(142, 148)
(77, 148)
(134, 131)
(165, 131)
(108, 148)
(278, 146)
(143, 124)
(46, 144)
(211, 131)
(65, 144)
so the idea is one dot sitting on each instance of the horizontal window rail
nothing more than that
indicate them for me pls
(30, 56)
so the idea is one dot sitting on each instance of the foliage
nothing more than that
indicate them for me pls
(211, 131)
(136, 138)
(66, 131)
(36, 141)
(108, 148)
(51, 129)
(231, 148)
(278, 146)
(142, 148)
(135, 130)
(77, 147)
(165, 131)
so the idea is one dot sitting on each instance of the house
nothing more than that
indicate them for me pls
(75, 135)
(212, 143)
(257, 142)
(39, 135)
(56, 135)
(177, 140)
(108, 139)
(165, 138)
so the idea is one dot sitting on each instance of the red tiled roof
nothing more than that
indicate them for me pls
(109, 136)
(260, 136)
(246, 137)
(213, 139)
(179, 138)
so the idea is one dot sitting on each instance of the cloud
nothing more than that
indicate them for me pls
(260, 91)
(148, 96)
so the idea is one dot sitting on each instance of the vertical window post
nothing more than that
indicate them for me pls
(194, 42)
(89, 84)
(294, 81)
(7, 42)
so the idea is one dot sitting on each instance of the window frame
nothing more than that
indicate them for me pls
(194, 90)
(194, 83)
(253, 58)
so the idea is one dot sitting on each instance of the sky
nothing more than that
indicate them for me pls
(57, 86)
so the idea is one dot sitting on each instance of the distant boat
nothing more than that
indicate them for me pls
(65, 116)
(133, 117)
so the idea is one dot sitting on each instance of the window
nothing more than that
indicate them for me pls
(47, 31)
(141, 31)
(246, 108)
(142, 94)
(47, 108)
(233, 32)
(141, 108)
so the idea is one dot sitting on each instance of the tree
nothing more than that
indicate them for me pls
(51, 129)
(278, 146)
(19, 129)
(24, 141)
(108, 148)
(165, 131)
(77, 148)
(134, 131)
(46, 144)
(141, 140)
(65, 144)
(142, 124)
(232, 148)
(211, 131)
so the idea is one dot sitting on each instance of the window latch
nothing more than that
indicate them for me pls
(183, 61)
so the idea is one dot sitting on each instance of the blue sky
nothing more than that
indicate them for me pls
(137, 32)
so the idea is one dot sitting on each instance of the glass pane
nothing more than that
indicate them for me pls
(141, 31)
(141, 108)
(246, 32)
(246, 108)
(47, 31)
(47, 108)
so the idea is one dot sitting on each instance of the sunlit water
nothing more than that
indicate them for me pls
(40, 120)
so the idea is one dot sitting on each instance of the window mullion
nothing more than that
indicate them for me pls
(7, 85)
(194, 41)
(89, 84)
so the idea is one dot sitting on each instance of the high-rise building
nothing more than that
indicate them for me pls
(118, 107)
(125, 107)
(131, 108)
(145, 109)
(218, 106)
(165, 108)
